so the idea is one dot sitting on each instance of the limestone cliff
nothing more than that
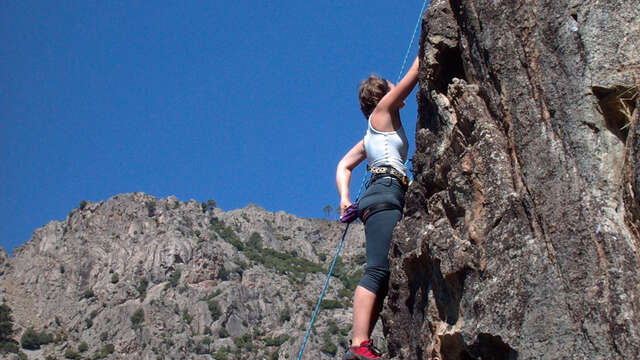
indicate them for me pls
(520, 239)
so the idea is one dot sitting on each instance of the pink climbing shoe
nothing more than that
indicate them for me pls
(365, 351)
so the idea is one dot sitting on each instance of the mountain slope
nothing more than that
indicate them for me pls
(157, 278)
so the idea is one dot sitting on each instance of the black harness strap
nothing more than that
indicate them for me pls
(370, 210)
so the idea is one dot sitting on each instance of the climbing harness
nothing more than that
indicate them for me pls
(382, 171)
(346, 229)
(375, 208)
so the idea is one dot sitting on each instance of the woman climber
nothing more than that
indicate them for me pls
(385, 147)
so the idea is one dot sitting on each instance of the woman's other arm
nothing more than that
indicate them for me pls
(350, 160)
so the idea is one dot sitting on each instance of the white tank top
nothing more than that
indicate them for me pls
(386, 148)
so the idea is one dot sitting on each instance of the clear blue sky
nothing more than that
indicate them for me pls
(237, 101)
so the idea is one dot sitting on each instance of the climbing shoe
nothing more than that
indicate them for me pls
(365, 351)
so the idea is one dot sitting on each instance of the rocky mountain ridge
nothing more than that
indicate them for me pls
(146, 278)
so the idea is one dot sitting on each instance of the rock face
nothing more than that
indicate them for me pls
(4, 261)
(521, 230)
(142, 278)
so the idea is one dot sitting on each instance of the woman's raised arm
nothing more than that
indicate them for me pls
(395, 97)
(381, 117)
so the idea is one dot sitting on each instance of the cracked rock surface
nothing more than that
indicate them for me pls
(521, 228)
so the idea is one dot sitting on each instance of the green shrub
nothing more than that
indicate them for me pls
(151, 208)
(277, 341)
(221, 354)
(137, 318)
(223, 333)
(208, 206)
(290, 264)
(88, 294)
(60, 338)
(6, 322)
(9, 346)
(188, 318)
(244, 342)
(214, 309)
(349, 280)
(236, 243)
(142, 288)
(242, 266)
(223, 274)
(285, 315)
(328, 347)
(334, 329)
(115, 278)
(331, 304)
(293, 266)
(83, 347)
(88, 322)
(70, 354)
(226, 233)
(202, 347)
(345, 293)
(175, 278)
(31, 340)
(255, 241)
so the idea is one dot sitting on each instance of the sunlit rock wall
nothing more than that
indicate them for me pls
(521, 229)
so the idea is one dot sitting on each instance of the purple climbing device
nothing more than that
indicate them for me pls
(350, 213)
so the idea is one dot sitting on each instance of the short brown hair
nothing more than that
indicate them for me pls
(371, 90)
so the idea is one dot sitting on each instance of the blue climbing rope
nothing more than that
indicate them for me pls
(346, 229)
(324, 288)
(326, 280)
(415, 30)
(404, 63)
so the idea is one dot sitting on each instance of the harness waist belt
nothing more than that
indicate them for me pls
(378, 171)
(370, 210)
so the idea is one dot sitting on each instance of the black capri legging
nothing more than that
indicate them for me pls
(378, 230)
